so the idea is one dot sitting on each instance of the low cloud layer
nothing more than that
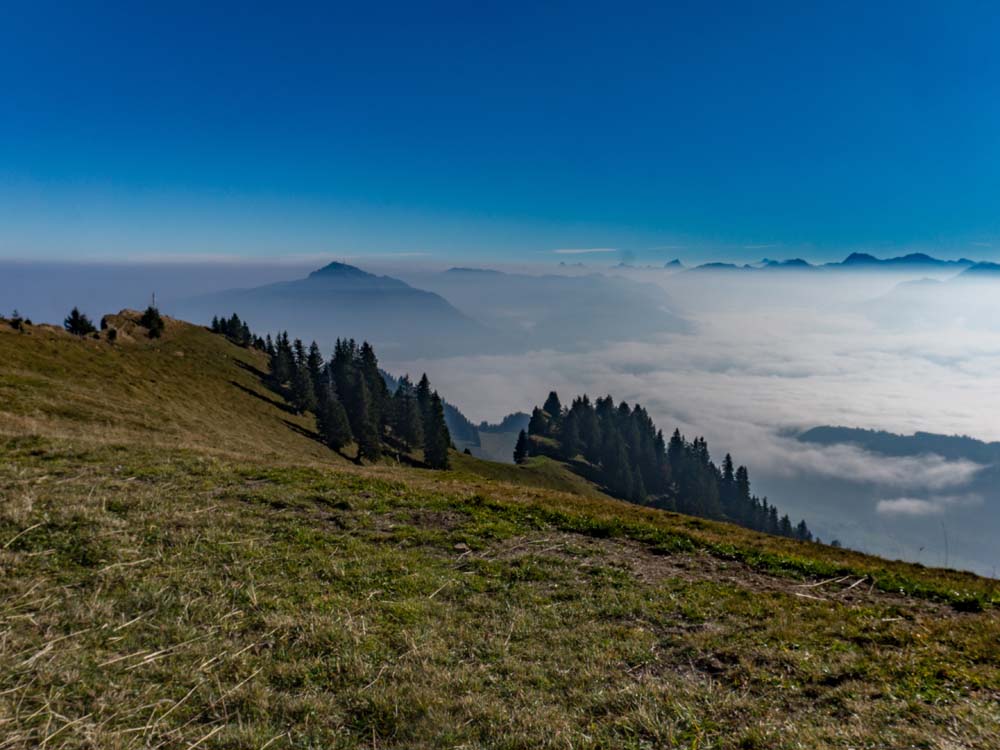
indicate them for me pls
(767, 362)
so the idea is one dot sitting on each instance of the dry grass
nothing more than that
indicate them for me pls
(182, 566)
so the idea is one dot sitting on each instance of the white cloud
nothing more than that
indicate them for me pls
(908, 506)
(915, 506)
(585, 250)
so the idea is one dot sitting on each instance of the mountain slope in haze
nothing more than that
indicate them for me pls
(966, 300)
(186, 566)
(952, 447)
(552, 311)
(342, 300)
(953, 523)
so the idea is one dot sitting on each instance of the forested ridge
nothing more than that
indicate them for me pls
(621, 449)
(616, 446)
(349, 395)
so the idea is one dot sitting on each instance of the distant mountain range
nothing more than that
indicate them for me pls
(854, 262)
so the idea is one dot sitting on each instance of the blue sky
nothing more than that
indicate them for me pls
(498, 131)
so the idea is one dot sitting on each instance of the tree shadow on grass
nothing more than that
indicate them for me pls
(255, 371)
(273, 402)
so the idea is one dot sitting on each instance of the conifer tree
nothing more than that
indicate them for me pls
(317, 371)
(152, 322)
(331, 419)
(378, 392)
(802, 532)
(283, 363)
(785, 526)
(365, 431)
(303, 390)
(436, 436)
(569, 438)
(299, 352)
(407, 421)
(342, 367)
(78, 324)
(521, 448)
(424, 399)
(552, 405)
(537, 425)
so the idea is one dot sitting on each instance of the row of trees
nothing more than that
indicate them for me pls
(237, 331)
(627, 454)
(349, 396)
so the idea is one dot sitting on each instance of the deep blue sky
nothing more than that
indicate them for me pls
(492, 131)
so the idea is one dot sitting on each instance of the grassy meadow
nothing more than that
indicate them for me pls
(183, 565)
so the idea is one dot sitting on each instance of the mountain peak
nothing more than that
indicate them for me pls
(340, 270)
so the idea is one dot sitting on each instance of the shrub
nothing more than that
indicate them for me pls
(78, 324)
(152, 322)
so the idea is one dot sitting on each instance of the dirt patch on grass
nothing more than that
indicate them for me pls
(653, 568)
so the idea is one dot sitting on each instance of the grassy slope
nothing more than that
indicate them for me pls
(181, 562)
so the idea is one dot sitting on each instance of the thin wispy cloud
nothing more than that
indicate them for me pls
(584, 250)
(916, 506)
(762, 246)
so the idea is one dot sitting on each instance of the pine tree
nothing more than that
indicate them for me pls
(152, 322)
(424, 399)
(552, 405)
(331, 419)
(407, 422)
(537, 425)
(521, 448)
(299, 352)
(436, 437)
(78, 324)
(317, 372)
(365, 431)
(785, 526)
(675, 451)
(377, 390)
(282, 364)
(569, 437)
(343, 369)
(802, 532)
(303, 390)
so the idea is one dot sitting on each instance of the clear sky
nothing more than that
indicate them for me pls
(499, 131)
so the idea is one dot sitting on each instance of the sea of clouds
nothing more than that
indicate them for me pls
(774, 353)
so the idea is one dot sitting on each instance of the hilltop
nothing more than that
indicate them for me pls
(185, 564)
(408, 321)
